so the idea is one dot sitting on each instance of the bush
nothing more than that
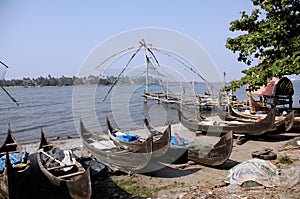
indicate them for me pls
(284, 159)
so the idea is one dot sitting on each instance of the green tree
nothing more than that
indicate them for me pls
(269, 42)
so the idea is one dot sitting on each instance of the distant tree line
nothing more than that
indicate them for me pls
(70, 81)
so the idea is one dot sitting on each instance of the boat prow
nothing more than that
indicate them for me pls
(216, 155)
(114, 156)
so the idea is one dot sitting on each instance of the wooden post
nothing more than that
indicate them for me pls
(147, 65)
(145, 97)
(247, 96)
(181, 94)
(199, 101)
(193, 86)
(219, 99)
(167, 83)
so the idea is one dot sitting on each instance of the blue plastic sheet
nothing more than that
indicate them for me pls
(126, 136)
(173, 141)
(14, 159)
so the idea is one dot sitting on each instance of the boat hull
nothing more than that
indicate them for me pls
(14, 180)
(247, 128)
(76, 184)
(161, 141)
(115, 157)
(216, 155)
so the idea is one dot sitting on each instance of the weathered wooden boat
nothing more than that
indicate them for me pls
(173, 154)
(245, 115)
(114, 156)
(206, 154)
(248, 128)
(213, 156)
(227, 115)
(161, 140)
(232, 115)
(282, 122)
(14, 177)
(71, 178)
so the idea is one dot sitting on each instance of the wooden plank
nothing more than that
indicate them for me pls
(11, 144)
(60, 167)
(71, 175)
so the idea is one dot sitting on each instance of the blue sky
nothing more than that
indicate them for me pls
(54, 37)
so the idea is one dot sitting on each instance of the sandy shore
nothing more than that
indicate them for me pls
(192, 180)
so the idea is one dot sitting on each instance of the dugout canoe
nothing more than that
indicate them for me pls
(114, 156)
(248, 128)
(213, 156)
(208, 155)
(72, 179)
(13, 178)
(173, 154)
(282, 122)
(161, 140)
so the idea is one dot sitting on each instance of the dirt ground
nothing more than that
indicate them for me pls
(198, 181)
(190, 180)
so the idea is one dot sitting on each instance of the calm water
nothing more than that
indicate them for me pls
(52, 108)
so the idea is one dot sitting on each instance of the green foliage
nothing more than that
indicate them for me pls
(69, 81)
(284, 159)
(131, 186)
(269, 41)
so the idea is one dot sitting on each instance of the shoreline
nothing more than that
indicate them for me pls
(192, 180)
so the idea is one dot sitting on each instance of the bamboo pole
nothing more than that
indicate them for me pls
(147, 68)
(145, 97)
(124, 50)
(167, 83)
(6, 66)
(121, 72)
(159, 80)
(186, 66)
(193, 86)
(181, 94)
(11, 97)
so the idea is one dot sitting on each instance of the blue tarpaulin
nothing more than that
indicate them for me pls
(13, 157)
(125, 136)
(173, 141)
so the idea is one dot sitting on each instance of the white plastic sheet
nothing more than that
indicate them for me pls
(257, 170)
(263, 172)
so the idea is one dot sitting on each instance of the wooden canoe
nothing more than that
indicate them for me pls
(75, 183)
(214, 156)
(115, 157)
(247, 128)
(282, 122)
(172, 154)
(207, 155)
(235, 113)
(14, 177)
(232, 115)
(161, 140)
